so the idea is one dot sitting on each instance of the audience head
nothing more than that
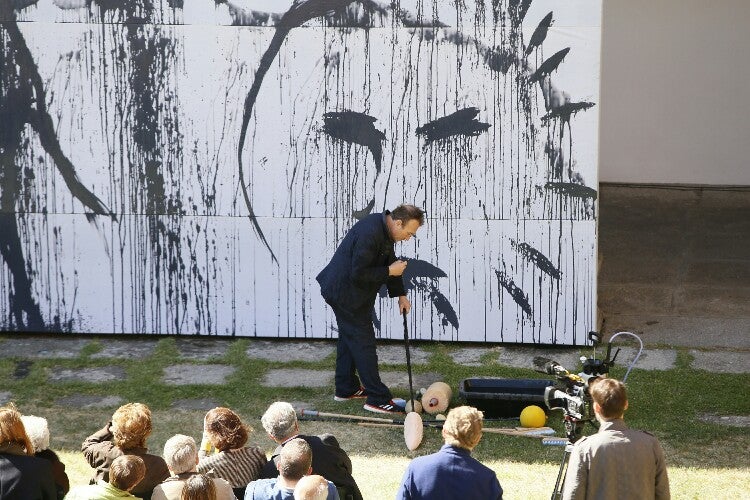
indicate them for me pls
(463, 427)
(181, 454)
(12, 430)
(295, 459)
(610, 397)
(198, 487)
(131, 425)
(126, 471)
(225, 429)
(311, 488)
(38, 432)
(280, 421)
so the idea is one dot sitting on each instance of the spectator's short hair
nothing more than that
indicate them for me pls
(295, 459)
(405, 213)
(610, 395)
(38, 431)
(225, 429)
(180, 453)
(12, 430)
(311, 488)
(463, 427)
(199, 487)
(131, 425)
(126, 471)
(280, 420)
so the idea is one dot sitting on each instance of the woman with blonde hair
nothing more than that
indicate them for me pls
(199, 487)
(223, 451)
(22, 475)
(126, 434)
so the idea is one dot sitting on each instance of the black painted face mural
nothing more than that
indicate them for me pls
(234, 159)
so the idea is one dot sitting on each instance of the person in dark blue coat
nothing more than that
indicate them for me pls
(452, 473)
(363, 262)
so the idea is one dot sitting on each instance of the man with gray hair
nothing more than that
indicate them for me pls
(329, 460)
(295, 462)
(181, 455)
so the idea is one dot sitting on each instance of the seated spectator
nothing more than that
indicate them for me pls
(295, 461)
(329, 460)
(452, 473)
(125, 472)
(199, 487)
(181, 455)
(38, 432)
(312, 488)
(125, 435)
(223, 452)
(22, 475)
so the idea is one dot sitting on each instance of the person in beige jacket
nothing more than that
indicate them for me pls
(181, 455)
(126, 434)
(617, 462)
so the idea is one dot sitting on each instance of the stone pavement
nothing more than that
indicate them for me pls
(201, 362)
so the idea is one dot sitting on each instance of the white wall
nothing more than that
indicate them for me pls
(675, 96)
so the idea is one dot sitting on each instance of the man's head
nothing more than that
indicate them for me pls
(406, 220)
(37, 430)
(181, 454)
(131, 425)
(126, 471)
(280, 421)
(311, 488)
(295, 460)
(225, 429)
(610, 398)
(463, 427)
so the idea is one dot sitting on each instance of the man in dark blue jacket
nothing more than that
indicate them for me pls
(363, 262)
(452, 473)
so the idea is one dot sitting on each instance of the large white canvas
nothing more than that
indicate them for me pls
(150, 116)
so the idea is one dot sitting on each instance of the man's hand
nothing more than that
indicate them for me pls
(404, 306)
(397, 268)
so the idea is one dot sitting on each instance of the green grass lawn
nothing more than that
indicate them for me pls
(705, 460)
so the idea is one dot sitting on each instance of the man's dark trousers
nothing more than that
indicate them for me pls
(356, 349)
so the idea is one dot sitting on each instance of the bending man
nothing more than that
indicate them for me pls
(363, 262)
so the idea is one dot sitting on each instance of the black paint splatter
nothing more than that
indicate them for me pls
(540, 34)
(462, 122)
(356, 128)
(566, 111)
(538, 259)
(550, 65)
(361, 214)
(518, 295)
(416, 268)
(248, 17)
(299, 12)
(23, 100)
(572, 189)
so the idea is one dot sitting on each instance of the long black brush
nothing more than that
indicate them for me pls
(408, 363)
